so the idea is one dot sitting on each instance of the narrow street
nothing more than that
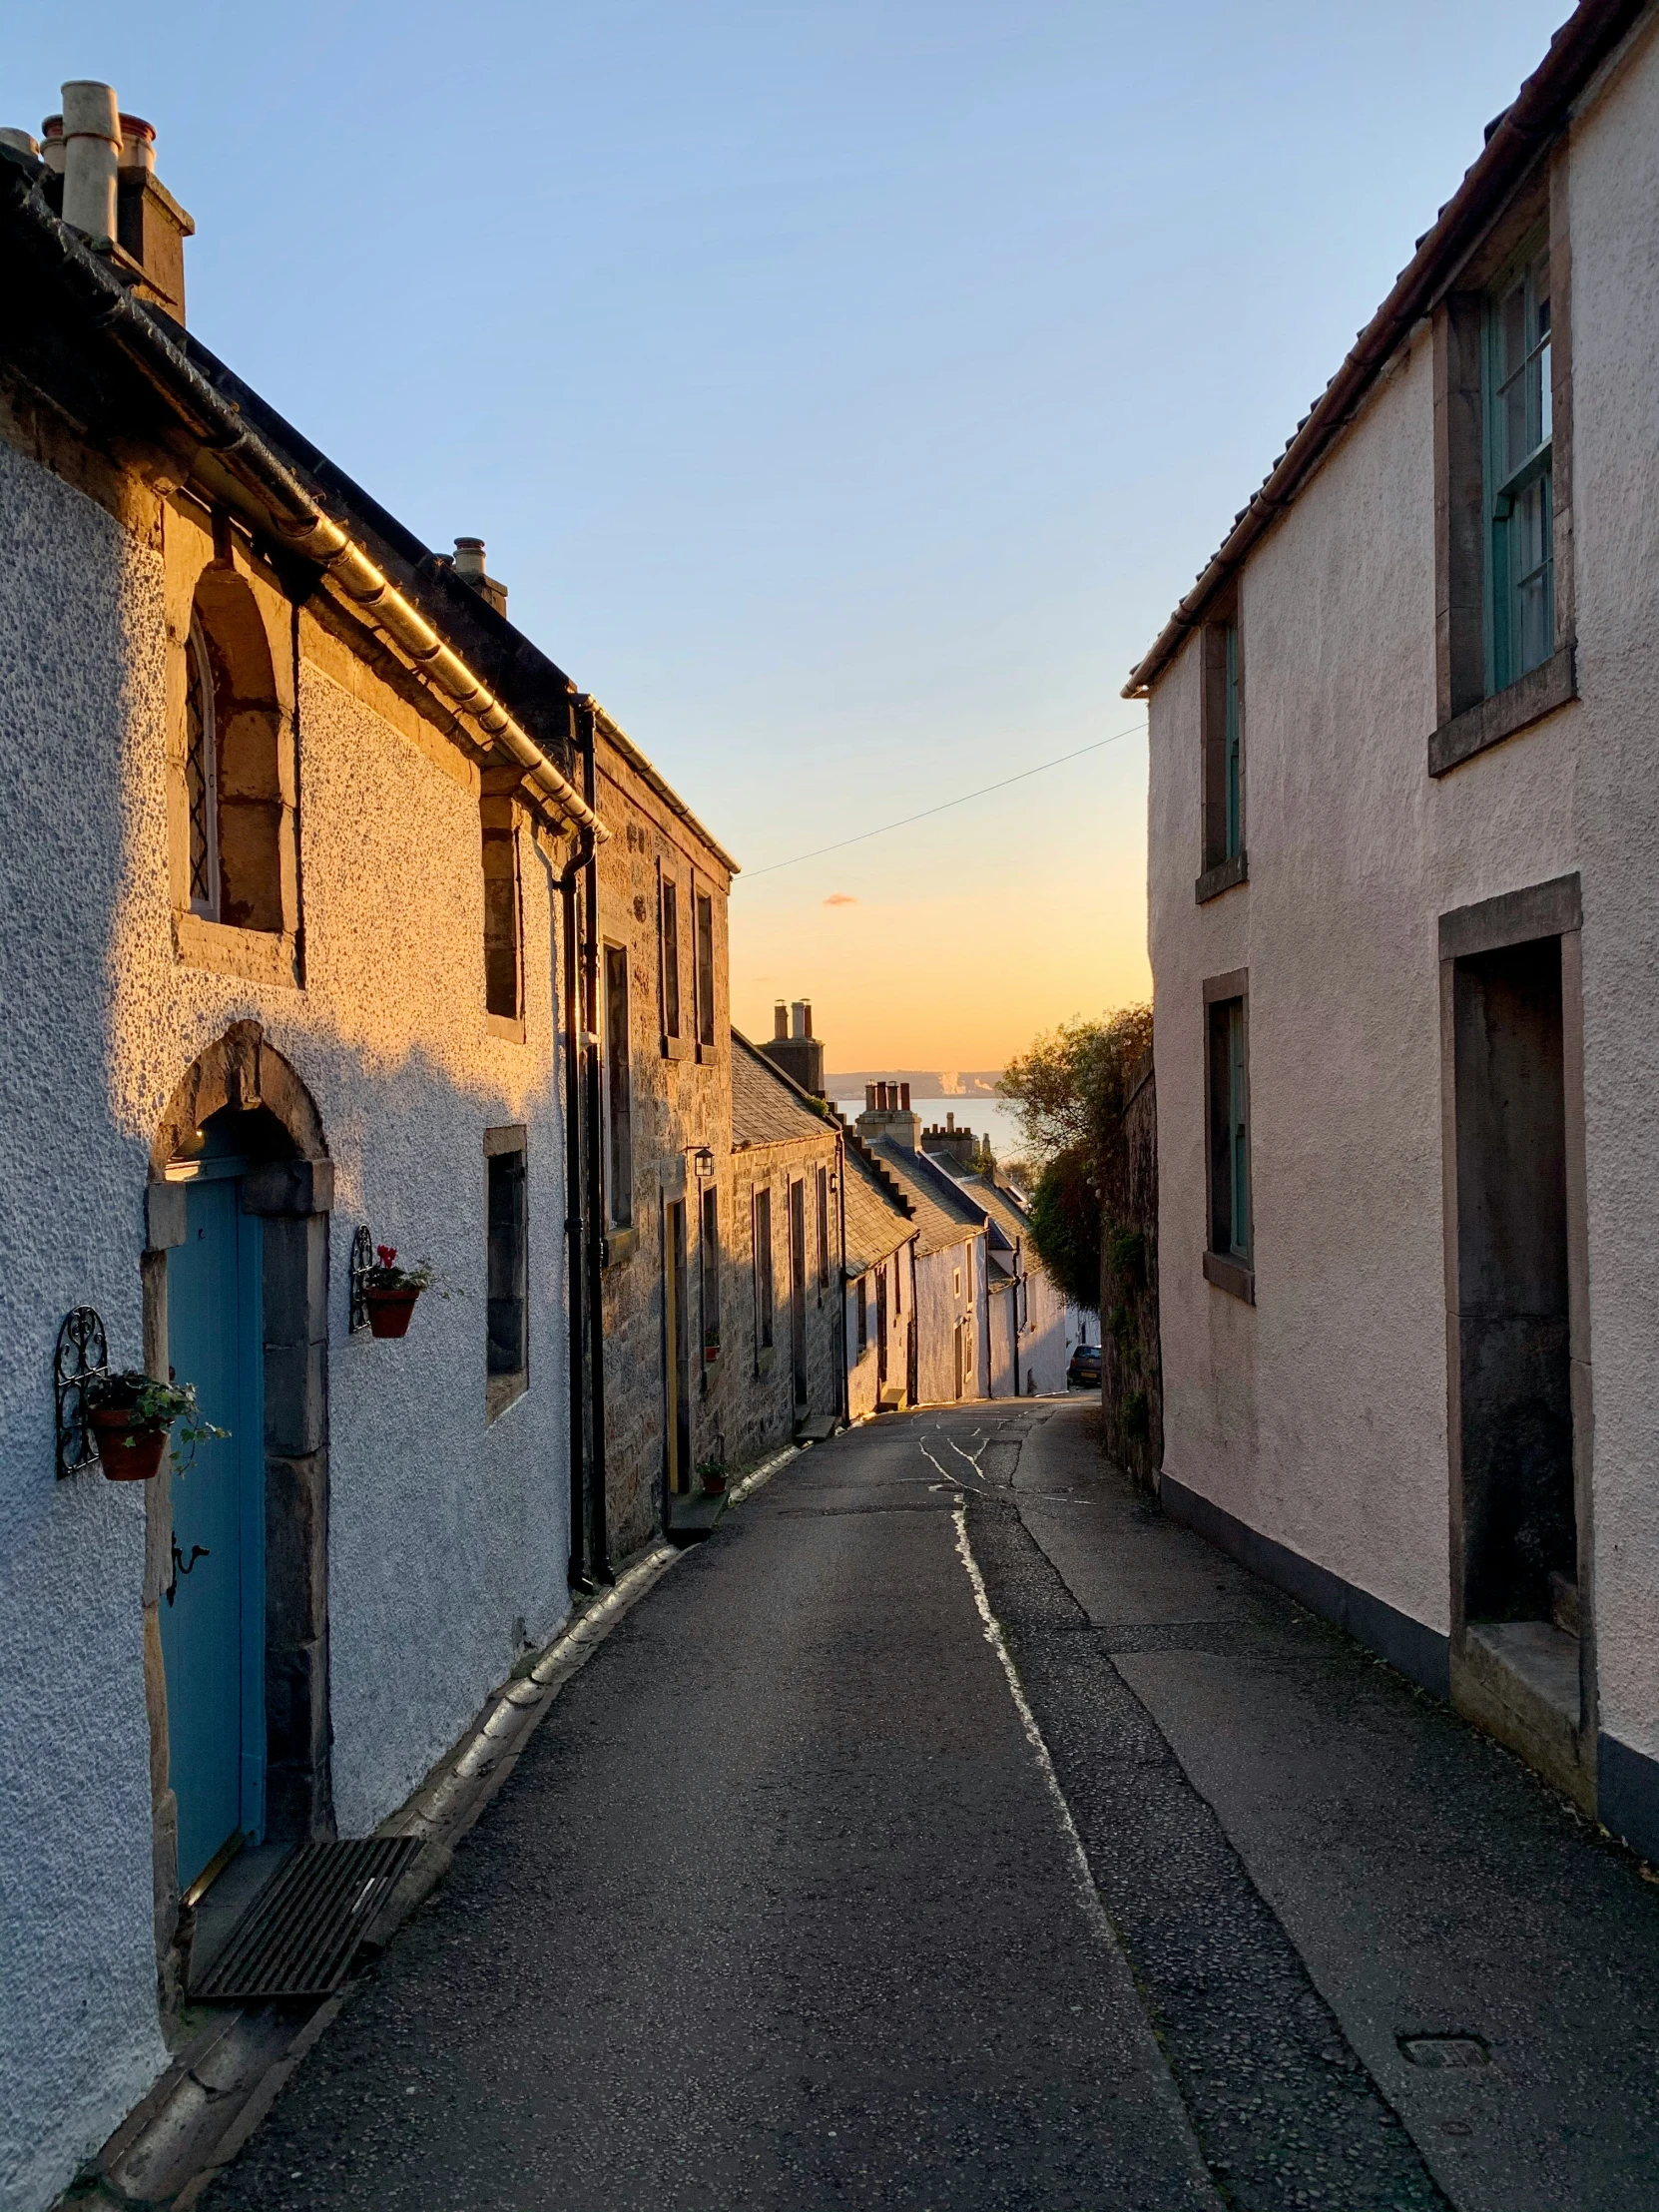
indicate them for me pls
(784, 1905)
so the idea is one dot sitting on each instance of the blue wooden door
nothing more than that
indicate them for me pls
(213, 1617)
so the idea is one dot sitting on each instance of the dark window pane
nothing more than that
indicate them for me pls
(709, 1276)
(620, 1091)
(671, 959)
(705, 971)
(507, 1354)
(501, 916)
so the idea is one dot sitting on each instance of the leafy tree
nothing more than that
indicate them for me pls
(1065, 1227)
(1070, 1091)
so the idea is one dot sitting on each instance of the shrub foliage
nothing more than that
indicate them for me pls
(1070, 1091)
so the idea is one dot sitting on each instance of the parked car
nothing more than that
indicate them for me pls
(1085, 1365)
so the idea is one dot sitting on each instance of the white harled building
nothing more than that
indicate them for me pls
(1404, 814)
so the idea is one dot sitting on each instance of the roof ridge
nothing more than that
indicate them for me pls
(1575, 52)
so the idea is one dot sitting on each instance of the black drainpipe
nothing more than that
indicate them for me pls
(576, 1278)
(599, 1555)
(840, 1280)
(1019, 1247)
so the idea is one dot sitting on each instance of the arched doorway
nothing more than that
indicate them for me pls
(235, 1281)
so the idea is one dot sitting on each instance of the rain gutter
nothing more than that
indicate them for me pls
(282, 502)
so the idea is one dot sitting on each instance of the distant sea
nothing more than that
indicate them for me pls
(986, 1117)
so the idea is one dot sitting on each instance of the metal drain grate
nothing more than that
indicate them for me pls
(298, 1937)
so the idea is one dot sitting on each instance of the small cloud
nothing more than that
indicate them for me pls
(841, 899)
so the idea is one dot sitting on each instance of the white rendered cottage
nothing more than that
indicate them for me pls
(1404, 814)
(280, 891)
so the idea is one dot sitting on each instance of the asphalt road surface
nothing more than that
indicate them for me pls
(865, 1866)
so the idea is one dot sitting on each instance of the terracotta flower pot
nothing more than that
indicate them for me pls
(389, 1311)
(713, 1485)
(127, 1454)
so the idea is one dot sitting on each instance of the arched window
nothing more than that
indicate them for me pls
(202, 775)
(234, 734)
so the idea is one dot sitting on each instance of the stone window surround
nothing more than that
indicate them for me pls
(505, 1388)
(294, 1197)
(274, 958)
(1469, 719)
(1236, 1277)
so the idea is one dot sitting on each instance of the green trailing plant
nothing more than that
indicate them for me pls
(1126, 1257)
(389, 1277)
(150, 1404)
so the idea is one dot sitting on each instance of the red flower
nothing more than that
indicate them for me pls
(386, 1253)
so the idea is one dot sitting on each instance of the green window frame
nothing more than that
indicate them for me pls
(1228, 1021)
(1519, 486)
(1238, 1134)
(1233, 764)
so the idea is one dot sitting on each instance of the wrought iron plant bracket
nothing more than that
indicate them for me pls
(83, 1352)
(362, 1260)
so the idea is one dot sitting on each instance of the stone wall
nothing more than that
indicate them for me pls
(942, 1306)
(1131, 1372)
(682, 1100)
(748, 1409)
(863, 1384)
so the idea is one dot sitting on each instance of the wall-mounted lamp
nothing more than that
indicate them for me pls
(703, 1163)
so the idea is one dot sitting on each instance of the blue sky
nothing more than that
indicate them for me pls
(846, 391)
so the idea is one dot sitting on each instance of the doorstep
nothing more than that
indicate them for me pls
(1519, 1681)
(692, 1518)
(215, 1917)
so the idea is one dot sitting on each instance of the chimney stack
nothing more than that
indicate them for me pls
(470, 566)
(90, 126)
(888, 1115)
(110, 191)
(794, 1048)
(20, 143)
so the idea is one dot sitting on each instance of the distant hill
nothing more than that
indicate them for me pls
(923, 1082)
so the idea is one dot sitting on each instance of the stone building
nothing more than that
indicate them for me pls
(1403, 937)
(950, 1322)
(780, 1258)
(880, 1289)
(660, 1126)
(1028, 1343)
